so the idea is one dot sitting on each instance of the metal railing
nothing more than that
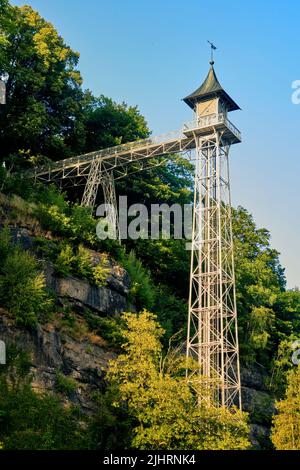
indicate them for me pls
(116, 150)
(205, 121)
(212, 120)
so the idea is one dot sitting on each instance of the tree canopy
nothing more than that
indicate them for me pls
(163, 408)
(286, 424)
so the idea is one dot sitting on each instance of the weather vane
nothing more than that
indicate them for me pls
(212, 49)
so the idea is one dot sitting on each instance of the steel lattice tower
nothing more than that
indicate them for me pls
(212, 339)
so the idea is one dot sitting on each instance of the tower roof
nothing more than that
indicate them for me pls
(210, 88)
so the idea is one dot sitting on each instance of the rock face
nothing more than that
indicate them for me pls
(104, 300)
(110, 299)
(50, 354)
(258, 402)
(53, 352)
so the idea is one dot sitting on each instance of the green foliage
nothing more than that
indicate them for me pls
(287, 310)
(44, 99)
(82, 225)
(109, 328)
(259, 279)
(5, 243)
(18, 364)
(64, 384)
(108, 124)
(165, 259)
(100, 272)
(281, 365)
(64, 261)
(22, 287)
(161, 405)
(49, 196)
(78, 262)
(286, 424)
(171, 312)
(170, 183)
(38, 422)
(52, 218)
(142, 291)
(83, 264)
(109, 428)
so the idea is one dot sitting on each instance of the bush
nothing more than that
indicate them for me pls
(82, 225)
(63, 263)
(38, 422)
(52, 218)
(78, 262)
(100, 273)
(65, 385)
(171, 312)
(82, 263)
(142, 292)
(50, 196)
(22, 288)
(5, 243)
(109, 328)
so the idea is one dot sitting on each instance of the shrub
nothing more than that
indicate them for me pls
(142, 292)
(64, 261)
(5, 243)
(101, 271)
(82, 225)
(79, 263)
(82, 263)
(109, 328)
(53, 218)
(50, 196)
(46, 248)
(64, 384)
(38, 422)
(22, 288)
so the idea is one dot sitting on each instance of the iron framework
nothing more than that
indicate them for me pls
(212, 342)
(212, 338)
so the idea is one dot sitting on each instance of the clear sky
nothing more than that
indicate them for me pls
(154, 52)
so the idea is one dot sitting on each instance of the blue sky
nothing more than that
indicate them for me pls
(153, 53)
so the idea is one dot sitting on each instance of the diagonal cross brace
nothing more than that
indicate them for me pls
(97, 176)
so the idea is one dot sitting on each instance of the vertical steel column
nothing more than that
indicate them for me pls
(212, 344)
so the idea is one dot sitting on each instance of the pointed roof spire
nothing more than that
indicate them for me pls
(210, 88)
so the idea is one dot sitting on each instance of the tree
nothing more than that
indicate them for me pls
(163, 409)
(44, 98)
(259, 281)
(108, 124)
(170, 183)
(167, 184)
(286, 424)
